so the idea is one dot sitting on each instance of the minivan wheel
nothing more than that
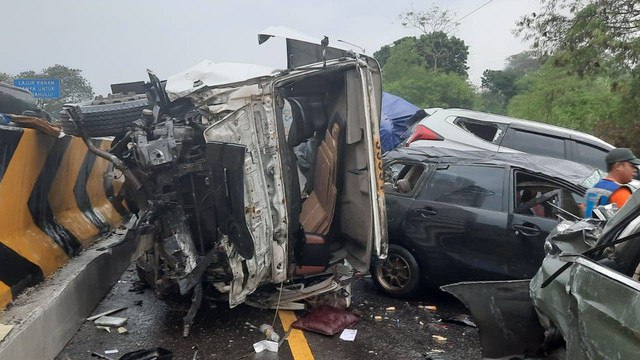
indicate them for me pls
(399, 274)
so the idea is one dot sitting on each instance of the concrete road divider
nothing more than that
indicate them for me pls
(56, 198)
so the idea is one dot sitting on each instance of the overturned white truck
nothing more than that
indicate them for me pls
(224, 206)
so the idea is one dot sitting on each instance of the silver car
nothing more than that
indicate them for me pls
(473, 130)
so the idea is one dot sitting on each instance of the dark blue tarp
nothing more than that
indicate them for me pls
(395, 112)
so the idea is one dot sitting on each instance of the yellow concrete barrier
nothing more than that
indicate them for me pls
(56, 197)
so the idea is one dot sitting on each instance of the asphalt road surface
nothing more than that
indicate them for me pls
(223, 333)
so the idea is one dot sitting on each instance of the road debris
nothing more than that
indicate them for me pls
(268, 345)
(390, 309)
(108, 329)
(111, 321)
(114, 351)
(461, 319)
(108, 312)
(439, 339)
(377, 318)
(145, 354)
(100, 356)
(268, 331)
(348, 334)
(4, 330)
(327, 320)
(122, 330)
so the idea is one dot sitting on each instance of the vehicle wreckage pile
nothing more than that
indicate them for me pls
(223, 211)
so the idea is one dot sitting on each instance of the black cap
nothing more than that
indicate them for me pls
(621, 155)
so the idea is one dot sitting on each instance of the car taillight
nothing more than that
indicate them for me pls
(423, 133)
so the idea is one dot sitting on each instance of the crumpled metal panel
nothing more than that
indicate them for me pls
(265, 210)
(504, 314)
(604, 317)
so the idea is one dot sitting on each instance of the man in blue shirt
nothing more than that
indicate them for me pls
(614, 188)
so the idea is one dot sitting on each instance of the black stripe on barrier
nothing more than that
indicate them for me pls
(18, 272)
(39, 205)
(81, 194)
(9, 139)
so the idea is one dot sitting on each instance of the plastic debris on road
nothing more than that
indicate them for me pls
(4, 330)
(108, 312)
(439, 339)
(461, 319)
(111, 321)
(348, 334)
(268, 345)
(106, 328)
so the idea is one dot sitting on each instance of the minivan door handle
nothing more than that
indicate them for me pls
(526, 230)
(426, 212)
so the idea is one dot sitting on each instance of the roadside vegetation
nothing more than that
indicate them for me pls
(581, 73)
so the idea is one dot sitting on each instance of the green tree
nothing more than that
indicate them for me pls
(589, 32)
(443, 53)
(436, 51)
(6, 78)
(557, 96)
(499, 86)
(73, 87)
(429, 21)
(523, 63)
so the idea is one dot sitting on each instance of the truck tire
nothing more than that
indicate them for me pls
(107, 116)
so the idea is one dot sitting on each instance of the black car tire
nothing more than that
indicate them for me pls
(399, 274)
(109, 119)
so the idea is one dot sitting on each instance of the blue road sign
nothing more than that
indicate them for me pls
(40, 88)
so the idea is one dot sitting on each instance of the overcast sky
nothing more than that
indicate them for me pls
(115, 41)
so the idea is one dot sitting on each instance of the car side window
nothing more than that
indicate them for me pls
(540, 197)
(535, 143)
(485, 130)
(590, 155)
(402, 177)
(466, 185)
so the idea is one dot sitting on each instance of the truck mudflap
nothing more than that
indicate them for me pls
(505, 316)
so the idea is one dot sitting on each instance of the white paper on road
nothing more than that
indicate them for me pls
(4, 330)
(348, 334)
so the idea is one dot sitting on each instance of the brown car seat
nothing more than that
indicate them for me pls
(318, 210)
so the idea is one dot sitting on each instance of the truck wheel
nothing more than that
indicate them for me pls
(399, 274)
(109, 116)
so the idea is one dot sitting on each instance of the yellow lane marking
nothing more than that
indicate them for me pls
(5, 295)
(18, 231)
(297, 342)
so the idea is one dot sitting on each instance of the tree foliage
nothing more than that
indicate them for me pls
(73, 86)
(408, 73)
(590, 32)
(436, 51)
(557, 96)
(499, 86)
(429, 21)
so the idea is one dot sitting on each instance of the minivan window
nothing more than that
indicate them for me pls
(589, 155)
(474, 186)
(539, 144)
(485, 130)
